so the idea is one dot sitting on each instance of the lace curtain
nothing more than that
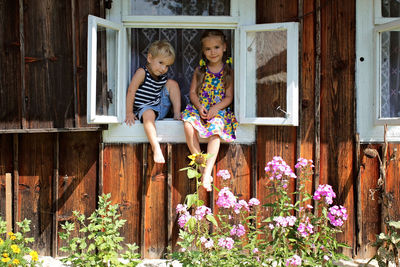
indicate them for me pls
(390, 67)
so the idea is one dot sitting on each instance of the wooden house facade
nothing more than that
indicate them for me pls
(60, 163)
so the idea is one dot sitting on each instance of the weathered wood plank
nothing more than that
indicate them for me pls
(155, 207)
(82, 10)
(6, 165)
(369, 200)
(10, 65)
(337, 105)
(307, 104)
(181, 186)
(122, 177)
(35, 159)
(78, 173)
(392, 180)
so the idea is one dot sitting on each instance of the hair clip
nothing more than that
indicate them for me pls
(229, 60)
(202, 63)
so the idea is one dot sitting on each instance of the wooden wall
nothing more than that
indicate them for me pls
(43, 89)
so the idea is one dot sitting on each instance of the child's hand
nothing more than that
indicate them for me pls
(212, 112)
(177, 116)
(130, 119)
(203, 112)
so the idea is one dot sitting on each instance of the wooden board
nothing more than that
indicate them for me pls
(6, 157)
(10, 65)
(35, 158)
(122, 177)
(78, 173)
(338, 105)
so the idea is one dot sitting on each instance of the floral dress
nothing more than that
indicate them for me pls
(212, 92)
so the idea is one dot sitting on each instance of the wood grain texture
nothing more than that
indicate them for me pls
(122, 177)
(337, 105)
(10, 65)
(35, 159)
(78, 174)
(392, 180)
(155, 207)
(6, 166)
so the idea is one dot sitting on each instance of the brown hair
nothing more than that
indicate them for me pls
(162, 48)
(228, 71)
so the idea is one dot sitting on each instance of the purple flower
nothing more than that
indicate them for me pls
(285, 221)
(254, 202)
(337, 215)
(305, 228)
(183, 219)
(326, 191)
(201, 212)
(302, 163)
(293, 261)
(241, 204)
(277, 169)
(226, 199)
(224, 174)
(238, 230)
(181, 208)
(226, 243)
(209, 244)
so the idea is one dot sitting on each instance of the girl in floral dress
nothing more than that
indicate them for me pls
(211, 94)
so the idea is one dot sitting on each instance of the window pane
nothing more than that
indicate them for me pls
(390, 8)
(187, 47)
(266, 62)
(106, 71)
(390, 74)
(181, 7)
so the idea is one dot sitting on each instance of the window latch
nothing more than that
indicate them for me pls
(110, 96)
(278, 108)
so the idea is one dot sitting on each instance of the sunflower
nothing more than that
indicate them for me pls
(199, 159)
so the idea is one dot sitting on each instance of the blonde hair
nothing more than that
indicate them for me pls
(162, 48)
(228, 71)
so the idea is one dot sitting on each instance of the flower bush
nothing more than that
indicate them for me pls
(293, 233)
(14, 247)
(100, 245)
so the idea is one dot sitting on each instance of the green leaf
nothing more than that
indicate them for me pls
(191, 199)
(395, 224)
(211, 218)
(191, 173)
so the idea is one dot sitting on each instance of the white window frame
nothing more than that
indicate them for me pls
(92, 117)
(369, 24)
(168, 130)
(248, 100)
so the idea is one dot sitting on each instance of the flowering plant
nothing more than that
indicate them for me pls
(291, 235)
(14, 247)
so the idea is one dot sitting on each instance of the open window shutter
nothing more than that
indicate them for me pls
(269, 74)
(105, 96)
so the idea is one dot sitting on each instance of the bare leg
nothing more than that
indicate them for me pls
(212, 149)
(150, 128)
(175, 97)
(192, 139)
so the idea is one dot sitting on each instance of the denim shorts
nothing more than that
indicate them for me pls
(161, 109)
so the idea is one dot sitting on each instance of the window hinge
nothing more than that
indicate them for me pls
(107, 4)
(110, 96)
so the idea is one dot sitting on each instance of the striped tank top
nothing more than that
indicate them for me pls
(149, 92)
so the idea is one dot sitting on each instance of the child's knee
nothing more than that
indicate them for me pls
(172, 85)
(149, 115)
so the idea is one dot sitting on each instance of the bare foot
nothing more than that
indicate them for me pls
(158, 156)
(207, 180)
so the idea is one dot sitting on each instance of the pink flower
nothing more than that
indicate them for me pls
(325, 191)
(201, 212)
(224, 174)
(254, 202)
(226, 199)
(241, 204)
(337, 215)
(293, 261)
(183, 219)
(209, 244)
(226, 243)
(238, 230)
(181, 208)
(302, 163)
(255, 250)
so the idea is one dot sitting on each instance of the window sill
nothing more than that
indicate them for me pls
(168, 131)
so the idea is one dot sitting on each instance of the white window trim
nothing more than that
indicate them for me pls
(242, 13)
(93, 22)
(366, 75)
(292, 90)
